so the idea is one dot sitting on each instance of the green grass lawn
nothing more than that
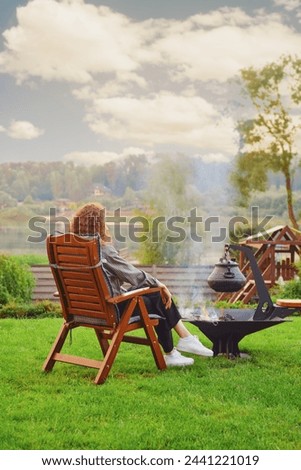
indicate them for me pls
(216, 404)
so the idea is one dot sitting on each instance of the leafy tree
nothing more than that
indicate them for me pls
(135, 169)
(169, 197)
(268, 139)
(21, 186)
(28, 200)
(154, 250)
(6, 200)
(170, 186)
(57, 184)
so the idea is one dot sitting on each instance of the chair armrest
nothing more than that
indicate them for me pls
(132, 294)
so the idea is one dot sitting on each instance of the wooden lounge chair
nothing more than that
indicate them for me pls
(86, 301)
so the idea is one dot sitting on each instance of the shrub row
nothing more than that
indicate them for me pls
(46, 308)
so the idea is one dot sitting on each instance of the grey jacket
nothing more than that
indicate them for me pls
(120, 271)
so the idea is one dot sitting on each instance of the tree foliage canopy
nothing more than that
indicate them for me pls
(268, 138)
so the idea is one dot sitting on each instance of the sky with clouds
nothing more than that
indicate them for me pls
(91, 81)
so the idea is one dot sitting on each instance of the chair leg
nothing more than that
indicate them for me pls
(154, 344)
(110, 356)
(103, 342)
(56, 347)
(114, 345)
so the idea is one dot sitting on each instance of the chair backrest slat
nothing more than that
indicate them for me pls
(79, 278)
(82, 290)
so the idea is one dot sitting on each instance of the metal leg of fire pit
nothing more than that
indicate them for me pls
(227, 346)
(224, 336)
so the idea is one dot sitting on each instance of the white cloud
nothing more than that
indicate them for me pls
(77, 42)
(161, 119)
(99, 158)
(219, 52)
(214, 158)
(140, 81)
(70, 41)
(288, 4)
(131, 151)
(298, 143)
(23, 130)
(90, 157)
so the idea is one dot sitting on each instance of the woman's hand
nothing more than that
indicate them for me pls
(166, 295)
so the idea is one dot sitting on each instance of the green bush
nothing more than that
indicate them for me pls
(239, 304)
(4, 295)
(16, 280)
(290, 289)
(46, 308)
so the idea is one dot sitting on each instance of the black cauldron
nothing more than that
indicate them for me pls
(226, 276)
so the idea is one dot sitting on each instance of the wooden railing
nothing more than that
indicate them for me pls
(285, 269)
(185, 282)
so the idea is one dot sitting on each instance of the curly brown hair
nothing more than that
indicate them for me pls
(89, 220)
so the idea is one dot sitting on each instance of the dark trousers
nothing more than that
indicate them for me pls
(167, 321)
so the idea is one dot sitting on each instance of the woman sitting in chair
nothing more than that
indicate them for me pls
(89, 220)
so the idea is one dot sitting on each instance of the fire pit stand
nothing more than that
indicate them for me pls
(234, 324)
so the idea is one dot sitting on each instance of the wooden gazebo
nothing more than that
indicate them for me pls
(275, 251)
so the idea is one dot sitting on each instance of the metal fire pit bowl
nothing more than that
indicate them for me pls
(232, 325)
(225, 334)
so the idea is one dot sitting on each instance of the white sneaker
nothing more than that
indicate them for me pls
(192, 344)
(176, 359)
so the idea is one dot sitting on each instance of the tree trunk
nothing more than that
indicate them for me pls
(289, 200)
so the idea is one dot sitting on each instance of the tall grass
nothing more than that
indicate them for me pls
(216, 404)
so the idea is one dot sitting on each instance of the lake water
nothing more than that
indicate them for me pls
(15, 240)
(22, 240)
